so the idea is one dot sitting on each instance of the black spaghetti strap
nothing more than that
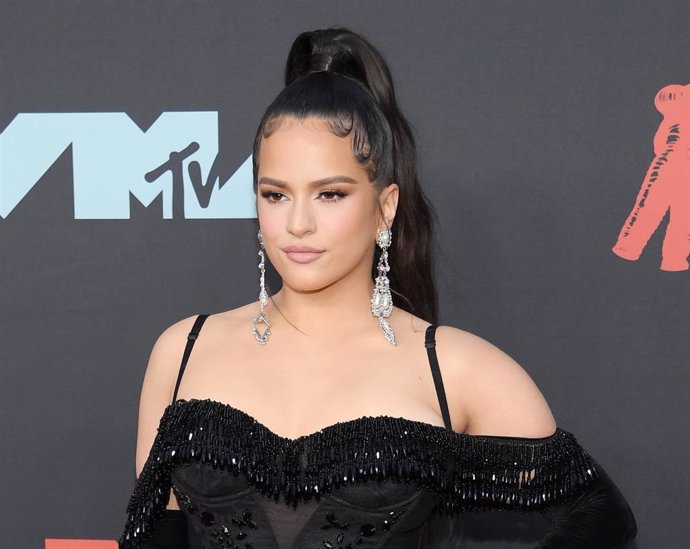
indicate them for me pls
(430, 344)
(191, 338)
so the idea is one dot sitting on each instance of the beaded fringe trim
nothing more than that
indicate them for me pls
(467, 472)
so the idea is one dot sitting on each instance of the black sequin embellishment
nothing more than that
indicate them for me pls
(224, 535)
(393, 517)
(466, 472)
(365, 530)
(333, 523)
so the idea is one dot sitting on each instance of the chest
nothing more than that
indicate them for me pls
(294, 397)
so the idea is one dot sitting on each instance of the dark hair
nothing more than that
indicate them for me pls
(337, 75)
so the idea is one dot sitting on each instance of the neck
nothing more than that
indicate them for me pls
(342, 308)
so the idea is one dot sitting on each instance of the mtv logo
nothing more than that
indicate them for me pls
(114, 160)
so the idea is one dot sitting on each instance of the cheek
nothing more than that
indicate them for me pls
(346, 221)
(272, 222)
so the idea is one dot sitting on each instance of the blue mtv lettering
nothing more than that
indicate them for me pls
(113, 159)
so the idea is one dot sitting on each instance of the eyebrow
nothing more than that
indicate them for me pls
(317, 183)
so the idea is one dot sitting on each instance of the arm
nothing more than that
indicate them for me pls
(501, 399)
(167, 530)
(598, 517)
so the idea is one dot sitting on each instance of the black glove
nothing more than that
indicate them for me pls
(598, 518)
(171, 532)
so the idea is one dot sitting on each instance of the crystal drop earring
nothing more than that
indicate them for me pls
(262, 338)
(381, 299)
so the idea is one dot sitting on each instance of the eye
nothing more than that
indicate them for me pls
(336, 195)
(270, 196)
(329, 196)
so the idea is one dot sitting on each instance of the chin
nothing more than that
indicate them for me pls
(302, 285)
(308, 282)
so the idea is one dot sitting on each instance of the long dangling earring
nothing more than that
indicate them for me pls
(262, 338)
(381, 299)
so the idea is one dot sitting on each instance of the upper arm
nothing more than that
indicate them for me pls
(159, 384)
(498, 395)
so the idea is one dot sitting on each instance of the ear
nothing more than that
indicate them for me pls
(388, 199)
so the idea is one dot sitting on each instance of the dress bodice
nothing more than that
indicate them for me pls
(371, 482)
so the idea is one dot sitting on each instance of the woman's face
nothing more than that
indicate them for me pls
(312, 193)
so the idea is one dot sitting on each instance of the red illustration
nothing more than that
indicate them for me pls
(54, 543)
(665, 187)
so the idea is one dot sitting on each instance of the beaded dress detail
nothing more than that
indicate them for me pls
(372, 482)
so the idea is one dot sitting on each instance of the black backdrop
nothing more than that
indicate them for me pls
(535, 123)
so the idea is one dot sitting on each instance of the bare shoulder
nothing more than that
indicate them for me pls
(167, 351)
(495, 392)
(158, 385)
(160, 378)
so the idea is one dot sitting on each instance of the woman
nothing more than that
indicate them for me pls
(337, 413)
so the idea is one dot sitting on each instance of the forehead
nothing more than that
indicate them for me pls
(307, 147)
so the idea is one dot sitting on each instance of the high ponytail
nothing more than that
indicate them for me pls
(337, 75)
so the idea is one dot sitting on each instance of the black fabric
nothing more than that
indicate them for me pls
(355, 514)
(371, 482)
(599, 518)
(171, 532)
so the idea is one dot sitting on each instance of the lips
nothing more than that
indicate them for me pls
(302, 254)
(300, 249)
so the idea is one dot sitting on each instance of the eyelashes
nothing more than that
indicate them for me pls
(334, 196)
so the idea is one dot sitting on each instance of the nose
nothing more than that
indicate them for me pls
(300, 218)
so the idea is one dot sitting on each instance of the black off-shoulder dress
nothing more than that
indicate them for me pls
(373, 482)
